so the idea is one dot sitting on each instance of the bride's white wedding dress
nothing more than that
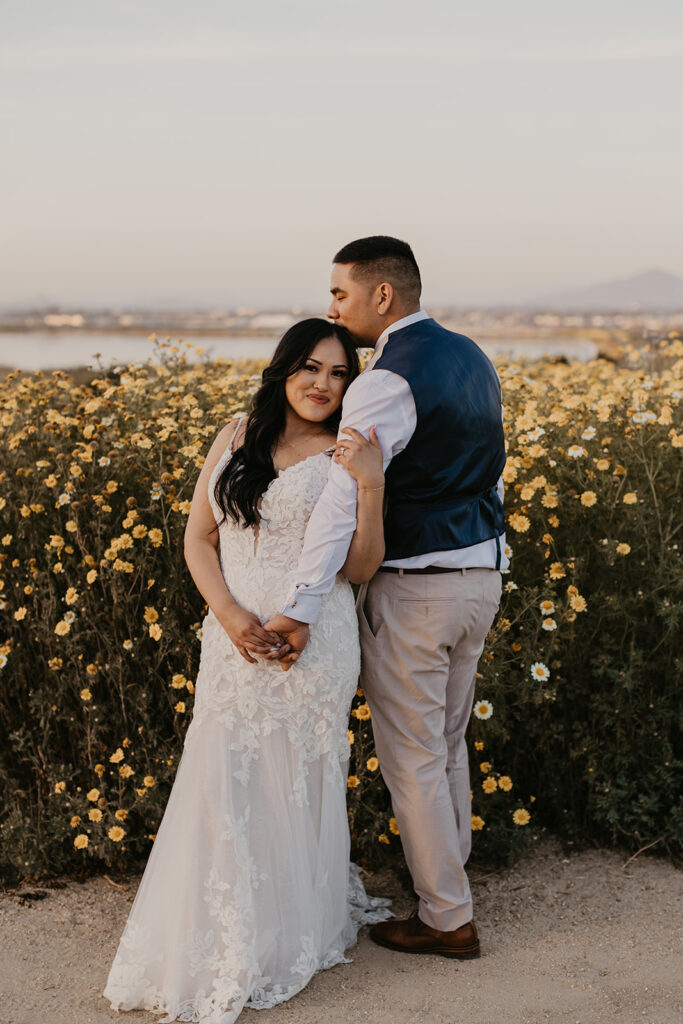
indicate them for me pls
(248, 889)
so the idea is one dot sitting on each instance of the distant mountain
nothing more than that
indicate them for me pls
(654, 290)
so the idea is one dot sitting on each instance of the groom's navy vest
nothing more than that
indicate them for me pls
(441, 489)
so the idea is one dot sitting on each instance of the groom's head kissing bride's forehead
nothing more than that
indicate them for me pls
(375, 282)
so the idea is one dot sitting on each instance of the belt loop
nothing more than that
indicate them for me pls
(400, 572)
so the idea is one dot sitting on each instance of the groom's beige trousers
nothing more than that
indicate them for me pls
(421, 638)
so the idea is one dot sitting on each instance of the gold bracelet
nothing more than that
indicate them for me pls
(371, 488)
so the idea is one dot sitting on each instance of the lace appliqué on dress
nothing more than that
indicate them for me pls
(248, 890)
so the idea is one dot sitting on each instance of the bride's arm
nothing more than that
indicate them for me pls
(363, 460)
(201, 557)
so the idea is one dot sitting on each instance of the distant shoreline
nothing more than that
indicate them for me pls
(175, 332)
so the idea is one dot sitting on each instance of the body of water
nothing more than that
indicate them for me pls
(38, 350)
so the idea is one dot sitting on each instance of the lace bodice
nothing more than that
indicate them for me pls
(257, 562)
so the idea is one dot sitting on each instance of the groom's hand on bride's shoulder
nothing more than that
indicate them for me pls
(295, 634)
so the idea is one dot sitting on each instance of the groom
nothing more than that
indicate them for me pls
(435, 400)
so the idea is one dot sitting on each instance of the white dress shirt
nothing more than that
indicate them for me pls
(384, 399)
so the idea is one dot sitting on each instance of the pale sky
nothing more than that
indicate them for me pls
(219, 153)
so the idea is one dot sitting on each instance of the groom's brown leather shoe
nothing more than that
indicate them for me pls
(414, 936)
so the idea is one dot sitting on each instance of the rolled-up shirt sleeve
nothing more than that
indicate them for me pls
(380, 398)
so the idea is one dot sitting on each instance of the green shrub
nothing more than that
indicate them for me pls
(99, 617)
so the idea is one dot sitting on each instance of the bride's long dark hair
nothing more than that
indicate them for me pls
(250, 469)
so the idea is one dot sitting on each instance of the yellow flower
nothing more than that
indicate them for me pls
(180, 707)
(489, 785)
(519, 522)
(92, 576)
(76, 820)
(91, 669)
(362, 712)
(55, 664)
(121, 814)
(623, 549)
(485, 766)
(62, 628)
(353, 781)
(477, 823)
(156, 537)
(178, 681)
(86, 694)
(350, 736)
(149, 781)
(578, 603)
(117, 756)
(151, 614)
(383, 839)
(95, 814)
(602, 465)
(556, 571)
(155, 632)
(93, 795)
(121, 565)
(125, 771)
(99, 770)
(139, 531)
(81, 841)
(505, 783)
(20, 614)
(116, 833)
(478, 744)
(589, 498)
(521, 816)
(630, 498)
(372, 764)
(60, 787)
(393, 826)
(71, 596)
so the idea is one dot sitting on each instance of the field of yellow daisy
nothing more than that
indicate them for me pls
(576, 725)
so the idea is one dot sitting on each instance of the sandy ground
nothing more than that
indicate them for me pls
(580, 939)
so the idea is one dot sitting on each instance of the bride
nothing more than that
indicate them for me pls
(248, 890)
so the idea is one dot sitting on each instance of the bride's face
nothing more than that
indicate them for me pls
(316, 390)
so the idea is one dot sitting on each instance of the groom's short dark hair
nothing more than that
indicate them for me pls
(383, 258)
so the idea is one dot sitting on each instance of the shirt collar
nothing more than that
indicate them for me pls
(405, 321)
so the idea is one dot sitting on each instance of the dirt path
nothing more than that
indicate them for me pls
(577, 940)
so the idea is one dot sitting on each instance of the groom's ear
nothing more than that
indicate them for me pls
(385, 296)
